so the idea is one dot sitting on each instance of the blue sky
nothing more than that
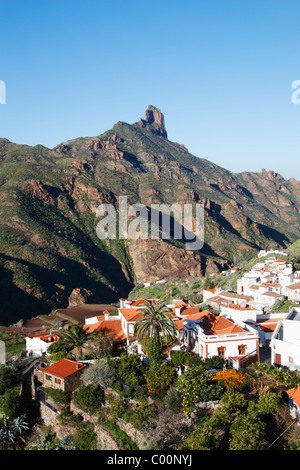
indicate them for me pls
(221, 71)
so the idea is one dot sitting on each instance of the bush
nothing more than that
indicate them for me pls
(129, 370)
(159, 378)
(247, 434)
(58, 396)
(192, 386)
(180, 358)
(9, 377)
(10, 403)
(288, 378)
(85, 438)
(142, 414)
(89, 397)
(173, 400)
(123, 439)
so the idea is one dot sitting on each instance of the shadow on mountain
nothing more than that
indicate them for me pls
(274, 235)
(52, 288)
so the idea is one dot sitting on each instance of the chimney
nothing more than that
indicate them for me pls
(106, 314)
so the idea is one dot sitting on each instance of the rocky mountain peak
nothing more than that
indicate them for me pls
(155, 118)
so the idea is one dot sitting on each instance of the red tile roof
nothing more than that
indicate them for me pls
(213, 324)
(294, 393)
(111, 326)
(64, 368)
(131, 314)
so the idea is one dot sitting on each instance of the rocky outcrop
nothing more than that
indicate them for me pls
(79, 296)
(155, 118)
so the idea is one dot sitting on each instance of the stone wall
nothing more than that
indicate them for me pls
(104, 440)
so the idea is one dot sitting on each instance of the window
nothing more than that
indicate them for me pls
(242, 350)
(291, 360)
(57, 381)
(48, 377)
(221, 351)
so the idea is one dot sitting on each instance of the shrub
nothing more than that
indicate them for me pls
(180, 358)
(142, 414)
(159, 378)
(89, 397)
(10, 403)
(123, 439)
(192, 385)
(85, 438)
(9, 376)
(117, 408)
(269, 403)
(173, 400)
(99, 374)
(129, 370)
(231, 378)
(247, 433)
(58, 396)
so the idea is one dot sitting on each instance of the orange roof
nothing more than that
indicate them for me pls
(265, 284)
(139, 302)
(47, 338)
(213, 324)
(180, 303)
(131, 314)
(238, 307)
(218, 325)
(270, 324)
(193, 317)
(111, 326)
(179, 324)
(187, 310)
(64, 368)
(294, 393)
(294, 286)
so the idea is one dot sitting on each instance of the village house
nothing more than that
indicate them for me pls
(256, 318)
(285, 341)
(63, 375)
(292, 292)
(215, 298)
(208, 335)
(37, 345)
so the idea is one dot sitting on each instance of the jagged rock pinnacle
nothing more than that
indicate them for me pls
(155, 118)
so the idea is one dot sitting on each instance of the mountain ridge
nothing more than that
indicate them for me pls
(49, 198)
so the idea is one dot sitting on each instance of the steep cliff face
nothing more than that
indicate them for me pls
(49, 198)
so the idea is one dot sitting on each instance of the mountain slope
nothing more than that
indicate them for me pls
(48, 202)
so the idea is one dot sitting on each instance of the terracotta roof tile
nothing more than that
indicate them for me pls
(64, 368)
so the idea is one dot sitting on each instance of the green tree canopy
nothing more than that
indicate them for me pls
(156, 324)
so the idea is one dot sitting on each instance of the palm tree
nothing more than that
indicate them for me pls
(156, 325)
(75, 337)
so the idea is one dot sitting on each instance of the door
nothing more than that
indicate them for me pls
(278, 359)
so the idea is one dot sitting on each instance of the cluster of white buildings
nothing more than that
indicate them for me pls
(202, 333)
(251, 307)
(271, 280)
(244, 320)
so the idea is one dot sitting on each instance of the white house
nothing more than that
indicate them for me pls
(209, 335)
(250, 317)
(292, 292)
(37, 345)
(285, 341)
